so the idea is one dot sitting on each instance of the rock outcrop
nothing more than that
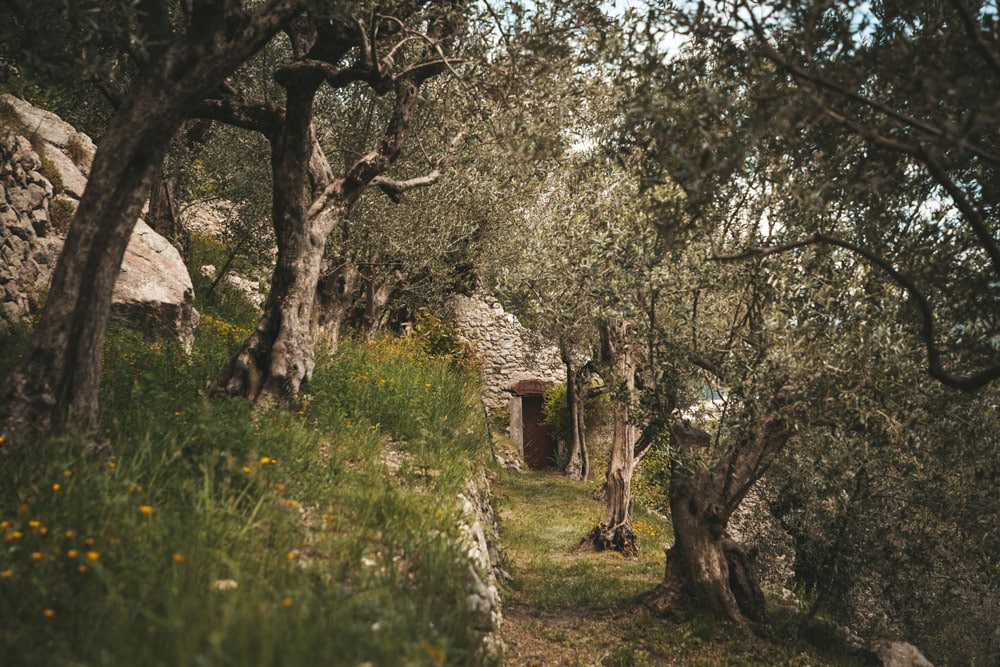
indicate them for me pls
(510, 352)
(42, 177)
(154, 292)
(68, 152)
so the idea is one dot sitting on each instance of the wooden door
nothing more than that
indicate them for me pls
(539, 450)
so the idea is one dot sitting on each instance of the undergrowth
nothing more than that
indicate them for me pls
(324, 534)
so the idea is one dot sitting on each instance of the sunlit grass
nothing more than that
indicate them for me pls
(573, 607)
(219, 536)
(543, 518)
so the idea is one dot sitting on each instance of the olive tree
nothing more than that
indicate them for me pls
(186, 54)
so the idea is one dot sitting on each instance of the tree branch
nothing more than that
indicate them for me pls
(970, 382)
(395, 189)
(972, 214)
(972, 28)
(772, 54)
(336, 77)
(263, 118)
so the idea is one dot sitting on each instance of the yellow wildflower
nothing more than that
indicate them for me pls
(112, 465)
(7, 574)
(56, 486)
(72, 553)
(69, 533)
(13, 535)
(36, 556)
(146, 509)
(82, 568)
(246, 468)
(178, 557)
(49, 613)
(67, 473)
(287, 602)
(93, 555)
(4, 525)
(264, 460)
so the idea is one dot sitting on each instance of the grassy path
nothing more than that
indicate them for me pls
(566, 607)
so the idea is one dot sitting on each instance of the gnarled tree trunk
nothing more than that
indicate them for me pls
(308, 201)
(279, 355)
(615, 530)
(704, 564)
(55, 387)
(578, 461)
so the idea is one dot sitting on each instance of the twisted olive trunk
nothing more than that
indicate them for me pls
(615, 530)
(55, 387)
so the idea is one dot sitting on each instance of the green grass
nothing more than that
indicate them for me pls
(544, 517)
(221, 536)
(572, 607)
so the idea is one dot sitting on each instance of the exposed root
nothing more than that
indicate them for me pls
(620, 538)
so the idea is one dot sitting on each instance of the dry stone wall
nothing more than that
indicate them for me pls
(154, 292)
(27, 246)
(509, 351)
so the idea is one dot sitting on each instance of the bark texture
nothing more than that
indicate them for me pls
(336, 298)
(279, 355)
(578, 461)
(55, 387)
(704, 565)
(310, 202)
(615, 530)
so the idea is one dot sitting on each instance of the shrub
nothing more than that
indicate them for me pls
(61, 213)
(76, 151)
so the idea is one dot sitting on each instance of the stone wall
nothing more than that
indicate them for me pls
(509, 351)
(27, 246)
(44, 165)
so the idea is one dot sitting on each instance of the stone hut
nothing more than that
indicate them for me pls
(528, 431)
(518, 366)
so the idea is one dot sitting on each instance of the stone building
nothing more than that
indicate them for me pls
(518, 366)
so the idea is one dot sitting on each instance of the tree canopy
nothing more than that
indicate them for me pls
(790, 207)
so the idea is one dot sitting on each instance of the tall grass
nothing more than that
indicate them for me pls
(326, 534)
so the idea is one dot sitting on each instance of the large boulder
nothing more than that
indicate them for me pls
(888, 653)
(154, 293)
